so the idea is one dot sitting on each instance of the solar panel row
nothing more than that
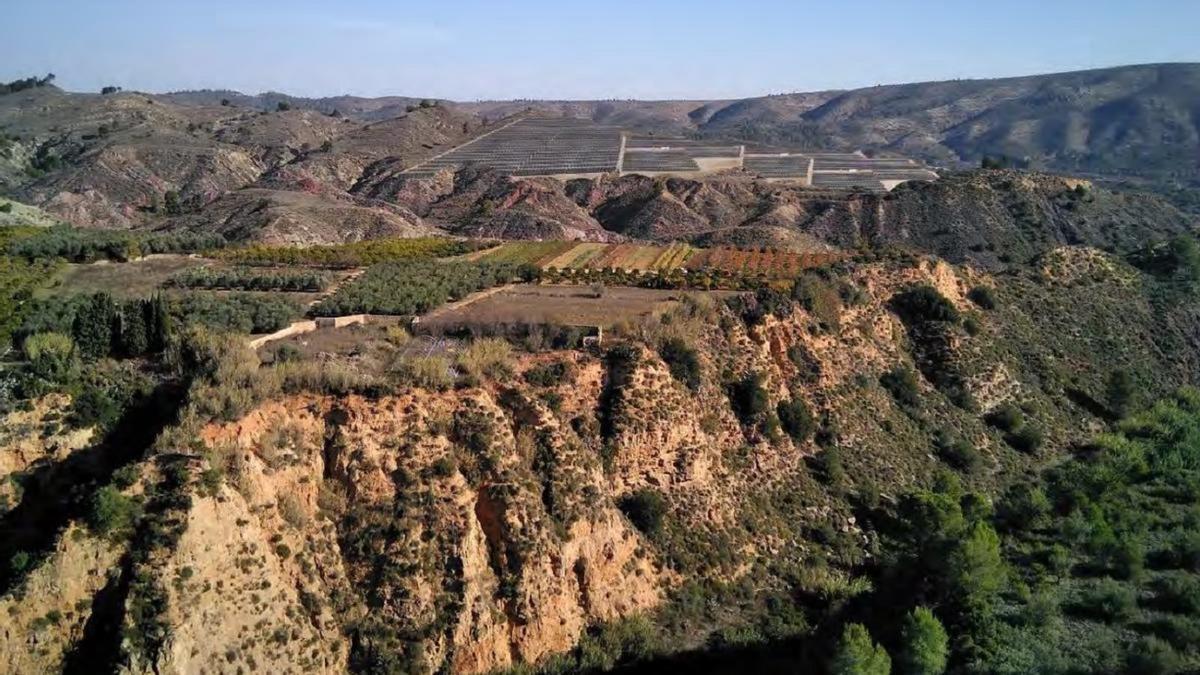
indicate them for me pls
(786, 166)
(535, 146)
(659, 160)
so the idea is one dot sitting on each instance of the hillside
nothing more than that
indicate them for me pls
(130, 160)
(988, 218)
(211, 161)
(1127, 121)
(718, 480)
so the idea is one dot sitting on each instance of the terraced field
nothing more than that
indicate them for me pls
(560, 255)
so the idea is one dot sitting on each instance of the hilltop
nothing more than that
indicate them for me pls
(1134, 120)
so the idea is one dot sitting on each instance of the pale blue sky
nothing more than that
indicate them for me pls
(470, 49)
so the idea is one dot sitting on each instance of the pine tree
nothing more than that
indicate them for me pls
(158, 324)
(134, 337)
(94, 326)
(926, 645)
(857, 654)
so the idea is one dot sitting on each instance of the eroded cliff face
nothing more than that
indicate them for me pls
(422, 523)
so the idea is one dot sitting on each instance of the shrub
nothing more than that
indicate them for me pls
(796, 419)
(20, 561)
(819, 296)
(1110, 600)
(1027, 438)
(683, 362)
(486, 357)
(1024, 506)
(51, 356)
(1179, 593)
(112, 513)
(924, 303)
(1006, 417)
(1120, 392)
(957, 452)
(984, 296)
(549, 374)
(901, 383)
(829, 464)
(94, 407)
(429, 372)
(645, 508)
(1152, 656)
(749, 399)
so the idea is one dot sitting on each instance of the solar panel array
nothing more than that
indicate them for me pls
(777, 166)
(865, 180)
(635, 142)
(535, 146)
(658, 160)
(541, 146)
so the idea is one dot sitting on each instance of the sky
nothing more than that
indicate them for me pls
(505, 49)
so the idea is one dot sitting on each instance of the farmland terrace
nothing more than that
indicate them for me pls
(570, 148)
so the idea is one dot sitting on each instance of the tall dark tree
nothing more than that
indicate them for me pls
(134, 336)
(158, 324)
(95, 326)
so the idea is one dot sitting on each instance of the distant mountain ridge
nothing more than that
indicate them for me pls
(1132, 121)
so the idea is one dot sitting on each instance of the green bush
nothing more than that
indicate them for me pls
(94, 407)
(749, 400)
(51, 356)
(1110, 601)
(1023, 506)
(924, 303)
(1027, 438)
(1179, 593)
(645, 508)
(683, 362)
(1152, 656)
(957, 452)
(549, 374)
(901, 383)
(984, 296)
(829, 465)
(112, 513)
(797, 420)
(1120, 392)
(1006, 417)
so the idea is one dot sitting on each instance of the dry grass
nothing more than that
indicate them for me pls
(486, 357)
(429, 372)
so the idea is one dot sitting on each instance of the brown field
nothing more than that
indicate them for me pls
(650, 258)
(559, 305)
(135, 279)
(145, 277)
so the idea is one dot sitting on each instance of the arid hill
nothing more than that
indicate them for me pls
(1126, 121)
(987, 218)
